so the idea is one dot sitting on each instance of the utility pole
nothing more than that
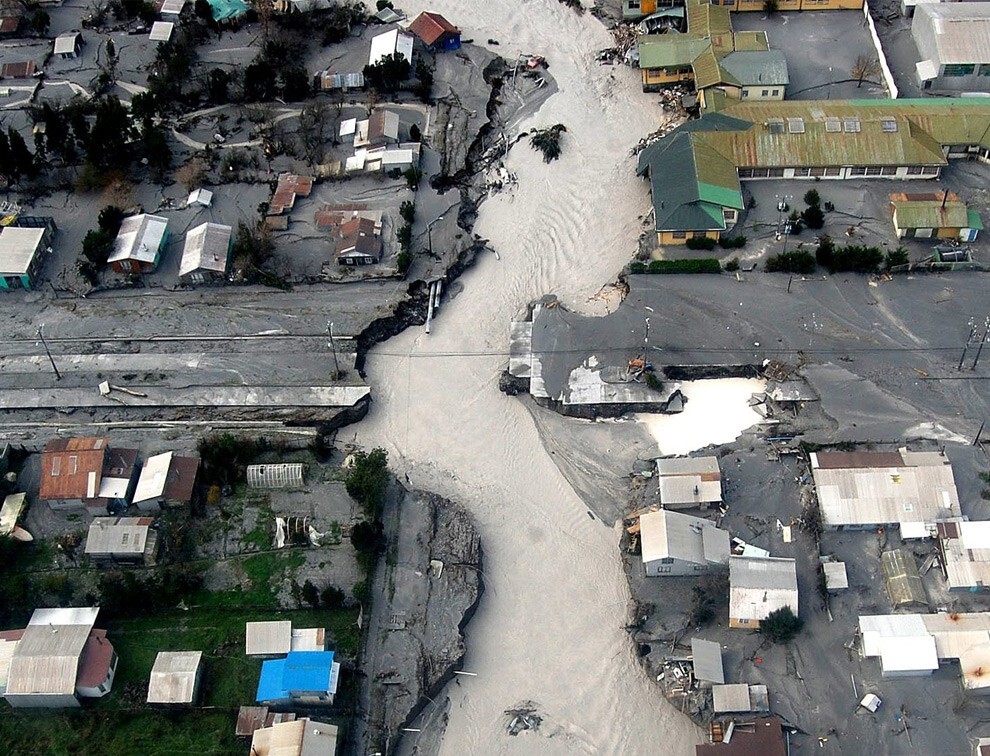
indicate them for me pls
(333, 348)
(429, 231)
(979, 350)
(969, 340)
(41, 335)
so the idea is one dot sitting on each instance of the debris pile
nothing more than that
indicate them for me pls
(523, 717)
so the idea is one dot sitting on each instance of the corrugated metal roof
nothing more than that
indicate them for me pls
(139, 238)
(118, 536)
(153, 476)
(71, 468)
(707, 658)
(207, 247)
(18, 248)
(301, 737)
(761, 585)
(730, 698)
(669, 50)
(931, 213)
(674, 535)
(904, 586)
(174, 677)
(688, 466)
(953, 32)
(268, 638)
(752, 68)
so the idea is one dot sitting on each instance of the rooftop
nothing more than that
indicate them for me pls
(930, 210)
(268, 638)
(71, 468)
(761, 585)
(18, 248)
(299, 673)
(118, 536)
(762, 737)
(430, 27)
(707, 659)
(956, 32)
(391, 42)
(207, 247)
(139, 238)
(299, 737)
(679, 536)
(689, 481)
(174, 677)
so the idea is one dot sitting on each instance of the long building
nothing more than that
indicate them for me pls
(639, 8)
(696, 171)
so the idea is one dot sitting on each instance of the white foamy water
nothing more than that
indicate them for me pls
(550, 628)
(716, 412)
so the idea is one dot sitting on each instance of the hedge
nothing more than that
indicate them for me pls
(791, 262)
(704, 265)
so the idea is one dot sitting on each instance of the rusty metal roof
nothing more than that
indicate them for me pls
(71, 468)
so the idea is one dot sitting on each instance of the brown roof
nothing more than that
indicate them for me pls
(9, 24)
(758, 737)
(923, 197)
(94, 664)
(861, 460)
(21, 70)
(120, 463)
(251, 718)
(358, 236)
(181, 478)
(289, 186)
(71, 468)
(430, 27)
(331, 216)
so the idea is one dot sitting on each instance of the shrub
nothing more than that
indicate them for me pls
(895, 257)
(781, 625)
(704, 265)
(413, 175)
(404, 235)
(811, 198)
(732, 242)
(225, 458)
(361, 591)
(637, 267)
(700, 242)
(368, 537)
(332, 597)
(813, 217)
(826, 247)
(403, 262)
(854, 259)
(770, 7)
(547, 141)
(653, 382)
(408, 211)
(732, 265)
(791, 262)
(109, 219)
(310, 594)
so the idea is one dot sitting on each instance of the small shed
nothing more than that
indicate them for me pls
(835, 576)
(707, 657)
(175, 678)
(206, 253)
(161, 31)
(68, 45)
(201, 197)
(435, 32)
(268, 638)
(740, 698)
(904, 586)
(275, 476)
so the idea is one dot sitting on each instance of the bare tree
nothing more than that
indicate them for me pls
(265, 10)
(864, 67)
(314, 123)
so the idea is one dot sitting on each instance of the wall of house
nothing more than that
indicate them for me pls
(42, 702)
(673, 568)
(62, 504)
(680, 237)
(792, 5)
(744, 624)
(977, 81)
(104, 687)
(840, 172)
(768, 92)
(659, 77)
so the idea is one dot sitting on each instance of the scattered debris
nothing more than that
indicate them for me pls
(523, 717)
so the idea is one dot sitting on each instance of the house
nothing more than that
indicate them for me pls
(228, 11)
(758, 737)
(68, 46)
(940, 215)
(381, 129)
(301, 678)
(964, 554)
(277, 638)
(139, 244)
(299, 737)
(122, 540)
(288, 188)
(288, 475)
(120, 474)
(392, 42)
(632, 9)
(953, 41)
(332, 217)
(435, 32)
(678, 544)
(687, 482)
(167, 481)
(57, 659)
(869, 490)
(206, 253)
(739, 140)
(706, 658)
(908, 6)
(161, 31)
(901, 642)
(23, 251)
(981, 747)
(24, 69)
(903, 581)
(175, 678)
(71, 470)
(759, 586)
(751, 75)
(740, 698)
(251, 718)
(330, 81)
(358, 243)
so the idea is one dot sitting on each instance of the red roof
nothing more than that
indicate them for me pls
(181, 479)
(289, 185)
(762, 737)
(9, 24)
(71, 468)
(22, 70)
(94, 664)
(430, 27)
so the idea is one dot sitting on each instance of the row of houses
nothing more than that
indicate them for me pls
(633, 9)
(696, 171)
(87, 473)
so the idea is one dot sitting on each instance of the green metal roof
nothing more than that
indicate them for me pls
(930, 214)
(707, 72)
(706, 20)
(750, 41)
(669, 50)
(973, 219)
(753, 68)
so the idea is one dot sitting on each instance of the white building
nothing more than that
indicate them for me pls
(301, 737)
(175, 678)
(393, 42)
(678, 544)
(759, 586)
(688, 482)
(965, 550)
(278, 638)
(206, 253)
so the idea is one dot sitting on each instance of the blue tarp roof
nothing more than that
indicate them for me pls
(299, 671)
(224, 10)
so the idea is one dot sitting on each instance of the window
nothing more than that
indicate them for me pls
(816, 172)
(125, 539)
(679, 235)
(923, 233)
(662, 570)
(766, 93)
(984, 70)
(775, 93)
(874, 171)
(729, 215)
(929, 170)
(633, 5)
(74, 464)
(745, 93)
(889, 125)
(56, 466)
(697, 234)
(794, 125)
(802, 172)
(832, 125)
(775, 173)
(857, 170)
(958, 69)
(699, 568)
(833, 172)
(667, 560)
(914, 170)
(851, 125)
(888, 171)
(776, 125)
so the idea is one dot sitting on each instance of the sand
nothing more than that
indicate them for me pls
(717, 412)
(550, 628)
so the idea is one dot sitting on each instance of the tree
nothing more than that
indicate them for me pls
(407, 210)
(310, 594)
(96, 247)
(414, 133)
(813, 217)
(217, 86)
(770, 7)
(863, 68)
(812, 198)
(781, 625)
(21, 159)
(332, 597)
(368, 537)
(424, 79)
(547, 141)
(260, 82)
(388, 73)
(109, 219)
(295, 83)
(107, 146)
(40, 20)
(204, 10)
(314, 123)
(157, 152)
(368, 478)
